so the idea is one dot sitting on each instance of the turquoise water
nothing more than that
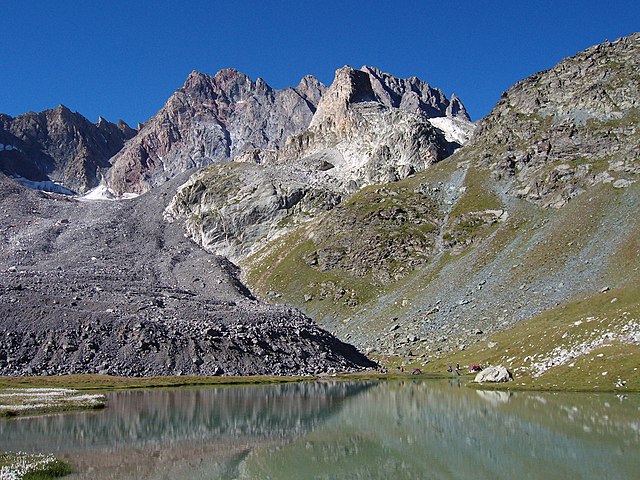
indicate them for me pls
(387, 430)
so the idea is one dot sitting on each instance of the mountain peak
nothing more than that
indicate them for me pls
(349, 86)
(353, 86)
(414, 95)
(196, 80)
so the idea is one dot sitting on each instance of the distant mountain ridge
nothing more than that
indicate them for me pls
(59, 147)
(211, 119)
(356, 137)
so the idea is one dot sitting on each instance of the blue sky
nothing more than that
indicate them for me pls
(123, 59)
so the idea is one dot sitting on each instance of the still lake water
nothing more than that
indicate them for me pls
(382, 430)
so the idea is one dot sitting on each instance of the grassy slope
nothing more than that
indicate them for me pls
(596, 320)
(593, 241)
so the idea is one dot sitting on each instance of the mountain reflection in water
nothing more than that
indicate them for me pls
(343, 430)
(412, 430)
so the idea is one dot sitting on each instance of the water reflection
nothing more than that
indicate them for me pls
(426, 430)
(343, 430)
(212, 428)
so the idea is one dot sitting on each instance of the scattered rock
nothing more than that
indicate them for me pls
(498, 373)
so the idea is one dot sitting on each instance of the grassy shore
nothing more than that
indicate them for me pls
(29, 466)
(107, 382)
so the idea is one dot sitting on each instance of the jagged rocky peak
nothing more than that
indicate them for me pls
(349, 86)
(414, 95)
(456, 108)
(357, 89)
(212, 119)
(58, 149)
(311, 89)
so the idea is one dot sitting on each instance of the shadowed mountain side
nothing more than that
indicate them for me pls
(59, 150)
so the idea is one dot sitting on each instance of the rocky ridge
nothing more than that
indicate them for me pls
(566, 129)
(356, 138)
(212, 119)
(59, 149)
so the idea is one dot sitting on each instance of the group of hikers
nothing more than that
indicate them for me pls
(454, 371)
(474, 368)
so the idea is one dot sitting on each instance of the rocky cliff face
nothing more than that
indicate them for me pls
(561, 131)
(375, 128)
(535, 218)
(356, 137)
(59, 146)
(414, 95)
(212, 119)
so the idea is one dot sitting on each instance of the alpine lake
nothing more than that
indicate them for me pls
(400, 429)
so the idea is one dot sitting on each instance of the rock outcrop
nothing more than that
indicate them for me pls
(212, 119)
(414, 95)
(560, 131)
(371, 127)
(59, 149)
(355, 139)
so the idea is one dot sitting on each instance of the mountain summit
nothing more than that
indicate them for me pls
(211, 119)
(228, 116)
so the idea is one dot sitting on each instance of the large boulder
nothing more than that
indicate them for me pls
(498, 373)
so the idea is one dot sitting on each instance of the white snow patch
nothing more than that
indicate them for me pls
(8, 148)
(454, 129)
(102, 192)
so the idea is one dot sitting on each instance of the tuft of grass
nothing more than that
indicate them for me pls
(55, 469)
(478, 194)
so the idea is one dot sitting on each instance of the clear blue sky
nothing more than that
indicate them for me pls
(123, 59)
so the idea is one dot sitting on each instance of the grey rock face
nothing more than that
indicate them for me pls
(59, 146)
(232, 208)
(108, 287)
(212, 119)
(414, 95)
(355, 139)
(370, 129)
(555, 132)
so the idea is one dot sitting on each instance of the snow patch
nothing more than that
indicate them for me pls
(8, 148)
(44, 185)
(102, 192)
(454, 129)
